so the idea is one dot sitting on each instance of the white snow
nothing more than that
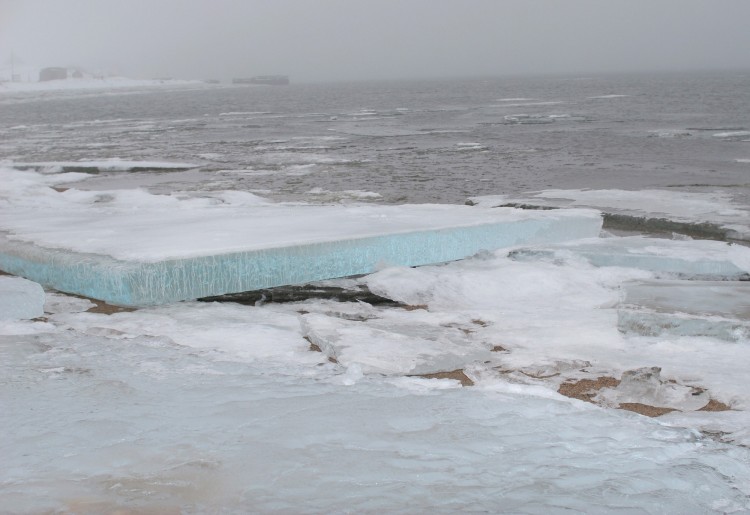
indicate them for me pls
(732, 134)
(211, 407)
(531, 104)
(718, 207)
(670, 133)
(89, 84)
(120, 223)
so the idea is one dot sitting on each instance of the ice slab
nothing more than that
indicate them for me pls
(135, 257)
(717, 309)
(20, 299)
(685, 258)
(707, 215)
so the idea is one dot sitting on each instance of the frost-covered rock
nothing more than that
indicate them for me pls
(20, 299)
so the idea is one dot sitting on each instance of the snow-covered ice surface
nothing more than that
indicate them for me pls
(205, 406)
(107, 245)
(323, 406)
(331, 406)
(715, 208)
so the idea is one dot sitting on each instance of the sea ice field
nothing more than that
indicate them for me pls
(596, 366)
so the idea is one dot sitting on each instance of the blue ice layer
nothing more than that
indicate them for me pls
(692, 259)
(718, 309)
(653, 323)
(130, 283)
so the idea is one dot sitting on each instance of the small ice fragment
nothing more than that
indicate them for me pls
(20, 299)
(645, 386)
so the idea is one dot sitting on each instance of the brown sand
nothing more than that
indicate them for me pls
(458, 375)
(106, 309)
(714, 405)
(645, 409)
(586, 389)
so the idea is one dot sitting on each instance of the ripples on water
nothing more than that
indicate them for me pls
(436, 141)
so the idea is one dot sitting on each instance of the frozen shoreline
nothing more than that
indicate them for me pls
(464, 392)
(258, 421)
(92, 84)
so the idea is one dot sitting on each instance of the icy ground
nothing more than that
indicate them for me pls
(446, 402)
(89, 83)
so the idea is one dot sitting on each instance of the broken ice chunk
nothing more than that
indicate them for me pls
(20, 299)
(645, 386)
(687, 308)
(702, 259)
(381, 351)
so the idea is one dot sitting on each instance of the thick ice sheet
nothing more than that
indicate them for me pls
(132, 248)
(692, 208)
(684, 258)
(721, 298)
(687, 308)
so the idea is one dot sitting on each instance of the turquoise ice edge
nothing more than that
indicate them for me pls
(140, 284)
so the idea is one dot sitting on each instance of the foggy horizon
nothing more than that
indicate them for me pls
(339, 40)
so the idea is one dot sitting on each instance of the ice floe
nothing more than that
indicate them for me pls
(20, 299)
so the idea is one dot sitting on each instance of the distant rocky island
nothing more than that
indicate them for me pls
(271, 80)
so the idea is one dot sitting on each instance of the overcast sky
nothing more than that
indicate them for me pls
(313, 40)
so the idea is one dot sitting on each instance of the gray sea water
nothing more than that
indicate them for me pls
(421, 141)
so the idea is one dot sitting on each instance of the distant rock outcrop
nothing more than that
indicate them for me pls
(53, 73)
